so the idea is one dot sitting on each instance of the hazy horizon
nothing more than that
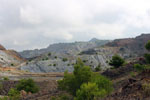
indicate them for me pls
(31, 24)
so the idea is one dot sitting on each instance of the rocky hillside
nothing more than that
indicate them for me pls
(131, 45)
(64, 48)
(61, 57)
(65, 54)
(9, 58)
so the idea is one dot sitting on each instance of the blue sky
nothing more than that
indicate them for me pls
(30, 24)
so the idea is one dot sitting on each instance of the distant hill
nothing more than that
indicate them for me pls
(131, 45)
(93, 53)
(67, 48)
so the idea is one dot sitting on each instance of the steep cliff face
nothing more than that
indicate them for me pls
(9, 58)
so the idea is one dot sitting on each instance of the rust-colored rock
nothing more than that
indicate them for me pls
(2, 48)
(23, 93)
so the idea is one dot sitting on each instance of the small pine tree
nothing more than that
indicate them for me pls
(116, 61)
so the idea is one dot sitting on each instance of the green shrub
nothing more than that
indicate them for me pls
(102, 82)
(68, 64)
(89, 91)
(98, 68)
(50, 65)
(53, 98)
(147, 46)
(146, 89)
(116, 61)
(27, 63)
(27, 85)
(107, 61)
(132, 74)
(65, 97)
(54, 64)
(5, 78)
(46, 58)
(4, 98)
(1, 86)
(82, 75)
(64, 59)
(49, 54)
(12, 64)
(147, 57)
(139, 67)
(84, 61)
(72, 82)
(14, 94)
(55, 57)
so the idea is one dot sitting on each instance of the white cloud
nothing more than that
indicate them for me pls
(26, 24)
(30, 15)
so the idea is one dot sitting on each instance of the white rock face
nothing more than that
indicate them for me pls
(8, 59)
(64, 48)
(52, 64)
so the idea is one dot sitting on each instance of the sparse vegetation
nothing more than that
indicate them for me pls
(46, 58)
(49, 54)
(64, 59)
(147, 46)
(132, 74)
(55, 57)
(62, 97)
(50, 65)
(54, 64)
(98, 68)
(146, 89)
(139, 67)
(116, 61)
(1, 86)
(27, 63)
(84, 61)
(12, 64)
(147, 55)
